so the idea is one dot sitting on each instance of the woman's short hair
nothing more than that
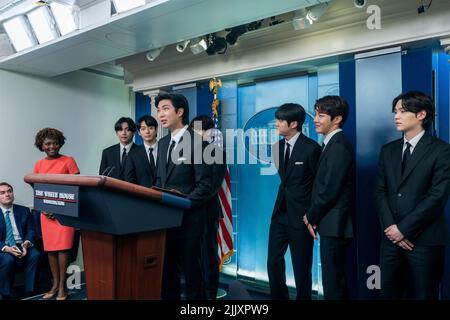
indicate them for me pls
(49, 133)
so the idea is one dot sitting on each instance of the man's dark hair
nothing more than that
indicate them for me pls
(50, 133)
(333, 106)
(6, 184)
(207, 122)
(416, 101)
(129, 121)
(149, 121)
(178, 101)
(291, 112)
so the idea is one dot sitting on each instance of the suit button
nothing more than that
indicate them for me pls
(399, 195)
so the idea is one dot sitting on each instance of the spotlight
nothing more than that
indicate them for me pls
(181, 46)
(235, 33)
(359, 3)
(198, 46)
(154, 53)
(299, 21)
(217, 45)
(316, 12)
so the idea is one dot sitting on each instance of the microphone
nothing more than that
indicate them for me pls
(106, 170)
(110, 171)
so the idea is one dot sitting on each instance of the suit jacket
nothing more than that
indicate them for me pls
(138, 169)
(296, 183)
(194, 180)
(24, 223)
(415, 201)
(332, 201)
(111, 158)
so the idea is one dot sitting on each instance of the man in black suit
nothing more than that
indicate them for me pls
(332, 196)
(16, 243)
(412, 191)
(114, 157)
(296, 157)
(181, 168)
(204, 126)
(140, 167)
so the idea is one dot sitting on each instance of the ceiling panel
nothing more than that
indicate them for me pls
(128, 34)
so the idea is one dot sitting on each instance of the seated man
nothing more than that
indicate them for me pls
(16, 236)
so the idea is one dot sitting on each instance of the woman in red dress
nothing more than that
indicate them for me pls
(58, 239)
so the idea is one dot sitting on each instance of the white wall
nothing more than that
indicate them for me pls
(83, 105)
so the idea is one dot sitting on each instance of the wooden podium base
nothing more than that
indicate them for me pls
(125, 267)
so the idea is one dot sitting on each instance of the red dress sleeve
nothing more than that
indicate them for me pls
(72, 166)
(36, 167)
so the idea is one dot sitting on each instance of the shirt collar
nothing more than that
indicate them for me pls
(128, 147)
(4, 209)
(150, 146)
(179, 134)
(330, 135)
(414, 141)
(293, 140)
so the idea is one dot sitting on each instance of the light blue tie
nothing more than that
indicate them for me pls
(10, 241)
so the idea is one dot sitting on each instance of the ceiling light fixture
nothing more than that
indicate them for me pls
(43, 24)
(198, 46)
(125, 5)
(182, 45)
(66, 17)
(154, 53)
(20, 33)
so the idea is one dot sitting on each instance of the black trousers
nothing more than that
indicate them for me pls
(333, 254)
(182, 256)
(211, 258)
(424, 266)
(282, 235)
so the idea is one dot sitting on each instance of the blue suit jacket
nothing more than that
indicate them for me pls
(24, 223)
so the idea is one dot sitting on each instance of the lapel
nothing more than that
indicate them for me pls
(422, 148)
(2, 226)
(294, 151)
(17, 220)
(333, 140)
(163, 146)
(145, 158)
(396, 161)
(281, 158)
(175, 150)
(116, 156)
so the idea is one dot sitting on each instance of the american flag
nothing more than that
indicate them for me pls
(225, 234)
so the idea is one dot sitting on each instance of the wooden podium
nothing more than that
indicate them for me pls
(122, 230)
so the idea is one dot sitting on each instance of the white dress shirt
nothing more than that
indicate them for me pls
(154, 152)
(329, 136)
(413, 142)
(127, 147)
(16, 233)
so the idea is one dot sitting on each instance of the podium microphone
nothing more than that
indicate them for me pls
(110, 171)
(106, 170)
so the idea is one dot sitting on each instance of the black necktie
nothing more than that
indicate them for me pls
(169, 155)
(323, 146)
(406, 156)
(286, 156)
(152, 159)
(124, 155)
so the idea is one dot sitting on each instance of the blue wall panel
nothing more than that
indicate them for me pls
(417, 71)
(347, 91)
(378, 81)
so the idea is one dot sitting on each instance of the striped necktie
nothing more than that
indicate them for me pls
(10, 241)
